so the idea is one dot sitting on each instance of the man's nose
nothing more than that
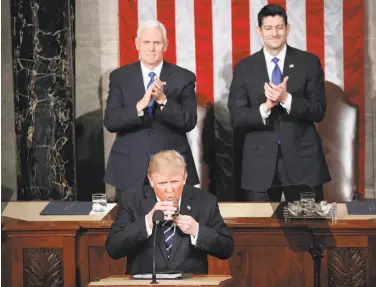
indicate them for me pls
(169, 188)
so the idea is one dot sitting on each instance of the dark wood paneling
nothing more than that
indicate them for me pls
(42, 267)
(267, 252)
(347, 267)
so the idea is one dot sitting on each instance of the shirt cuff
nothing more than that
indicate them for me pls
(287, 104)
(149, 231)
(264, 115)
(194, 239)
(161, 106)
(140, 114)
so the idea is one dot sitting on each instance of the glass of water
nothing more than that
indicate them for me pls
(99, 202)
(175, 202)
(307, 199)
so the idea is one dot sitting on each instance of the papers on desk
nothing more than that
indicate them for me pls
(60, 207)
(160, 276)
(361, 207)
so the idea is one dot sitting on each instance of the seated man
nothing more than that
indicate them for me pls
(185, 240)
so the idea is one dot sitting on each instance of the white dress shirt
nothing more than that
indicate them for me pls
(270, 67)
(149, 231)
(146, 79)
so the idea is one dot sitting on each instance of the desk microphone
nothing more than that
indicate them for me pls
(158, 217)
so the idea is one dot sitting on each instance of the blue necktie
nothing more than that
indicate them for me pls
(276, 79)
(276, 74)
(169, 232)
(150, 106)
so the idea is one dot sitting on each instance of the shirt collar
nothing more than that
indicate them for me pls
(281, 56)
(157, 70)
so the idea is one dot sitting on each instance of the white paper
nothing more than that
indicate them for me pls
(159, 276)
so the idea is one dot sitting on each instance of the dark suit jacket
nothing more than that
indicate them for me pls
(128, 236)
(300, 143)
(140, 137)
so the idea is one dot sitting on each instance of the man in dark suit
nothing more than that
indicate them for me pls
(276, 96)
(151, 106)
(185, 240)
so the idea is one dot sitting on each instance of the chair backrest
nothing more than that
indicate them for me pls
(339, 134)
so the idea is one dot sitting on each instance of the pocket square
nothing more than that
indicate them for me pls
(291, 66)
(189, 207)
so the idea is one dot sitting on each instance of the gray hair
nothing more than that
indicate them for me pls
(152, 24)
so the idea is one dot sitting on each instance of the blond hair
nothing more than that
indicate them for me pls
(166, 161)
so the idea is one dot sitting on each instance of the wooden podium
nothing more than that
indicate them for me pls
(196, 280)
(66, 251)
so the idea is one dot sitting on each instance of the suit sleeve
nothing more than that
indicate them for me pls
(215, 238)
(243, 114)
(182, 111)
(126, 234)
(119, 115)
(312, 105)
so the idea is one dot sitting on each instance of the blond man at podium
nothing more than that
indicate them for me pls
(191, 226)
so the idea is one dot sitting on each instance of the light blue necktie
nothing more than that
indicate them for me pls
(150, 106)
(276, 74)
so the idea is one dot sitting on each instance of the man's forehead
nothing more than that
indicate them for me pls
(273, 20)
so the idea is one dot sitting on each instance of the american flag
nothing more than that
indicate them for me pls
(209, 37)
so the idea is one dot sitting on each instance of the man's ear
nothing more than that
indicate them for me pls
(185, 177)
(258, 29)
(151, 181)
(137, 43)
(166, 45)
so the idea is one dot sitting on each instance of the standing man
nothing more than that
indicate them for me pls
(151, 106)
(276, 96)
(185, 240)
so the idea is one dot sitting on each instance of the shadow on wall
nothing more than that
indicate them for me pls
(90, 162)
(217, 139)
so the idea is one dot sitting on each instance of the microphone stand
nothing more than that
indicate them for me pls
(154, 275)
(317, 254)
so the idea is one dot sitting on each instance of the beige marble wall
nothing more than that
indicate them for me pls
(8, 134)
(370, 96)
(97, 52)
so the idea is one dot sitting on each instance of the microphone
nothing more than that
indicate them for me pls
(158, 217)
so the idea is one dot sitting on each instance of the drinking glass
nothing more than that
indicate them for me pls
(175, 202)
(307, 199)
(99, 202)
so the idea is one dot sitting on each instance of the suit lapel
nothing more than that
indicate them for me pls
(185, 209)
(138, 82)
(150, 198)
(261, 67)
(150, 201)
(165, 76)
(288, 67)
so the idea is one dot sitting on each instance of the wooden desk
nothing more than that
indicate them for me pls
(198, 280)
(268, 251)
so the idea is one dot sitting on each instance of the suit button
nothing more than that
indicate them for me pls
(150, 133)
(277, 121)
